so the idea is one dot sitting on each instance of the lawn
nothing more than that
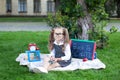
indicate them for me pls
(114, 21)
(23, 19)
(14, 43)
(38, 19)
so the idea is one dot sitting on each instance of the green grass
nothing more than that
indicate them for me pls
(23, 19)
(14, 43)
(114, 21)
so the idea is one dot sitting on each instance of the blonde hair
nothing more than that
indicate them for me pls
(51, 38)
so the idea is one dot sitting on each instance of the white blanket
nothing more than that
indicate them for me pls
(75, 64)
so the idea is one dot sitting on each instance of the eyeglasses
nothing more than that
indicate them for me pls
(58, 34)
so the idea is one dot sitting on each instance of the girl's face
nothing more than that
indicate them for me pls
(58, 34)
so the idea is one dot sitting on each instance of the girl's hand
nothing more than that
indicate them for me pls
(51, 58)
(57, 59)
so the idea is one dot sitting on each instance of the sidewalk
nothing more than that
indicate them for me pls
(24, 26)
(37, 26)
(117, 25)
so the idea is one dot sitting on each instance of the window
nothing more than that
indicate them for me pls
(50, 6)
(37, 6)
(22, 6)
(8, 6)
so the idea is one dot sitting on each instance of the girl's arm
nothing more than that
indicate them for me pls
(67, 53)
(52, 53)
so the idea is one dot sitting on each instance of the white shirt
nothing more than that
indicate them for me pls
(67, 51)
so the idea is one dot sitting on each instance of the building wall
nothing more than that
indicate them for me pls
(43, 7)
(14, 7)
(30, 8)
(2, 7)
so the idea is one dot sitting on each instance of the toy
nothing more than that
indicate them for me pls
(32, 47)
(85, 59)
(33, 53)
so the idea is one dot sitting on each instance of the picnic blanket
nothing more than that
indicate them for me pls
(75, 63)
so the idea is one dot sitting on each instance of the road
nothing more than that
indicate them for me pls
(37, 26)
(24, 26)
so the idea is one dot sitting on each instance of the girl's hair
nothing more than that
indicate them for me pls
(51, 38)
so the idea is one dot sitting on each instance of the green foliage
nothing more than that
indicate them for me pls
(99, 34)
(113, 29)
(57, 20)
(65, 21)
(71, 11)
(110, 7)
(95, 4)
(66, 16)
(113, 8)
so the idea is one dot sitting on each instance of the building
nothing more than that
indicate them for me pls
(26, 7)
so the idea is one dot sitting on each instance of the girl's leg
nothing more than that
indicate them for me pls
(54, 65)
(46, 62)
(49, 66)
(44, 68)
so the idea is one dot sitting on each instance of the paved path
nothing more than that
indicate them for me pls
(36, 26)
(117, 25)
(24, 26)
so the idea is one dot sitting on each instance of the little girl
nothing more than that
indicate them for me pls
(60, 53)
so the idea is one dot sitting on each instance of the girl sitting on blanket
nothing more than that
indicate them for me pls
(60, 53)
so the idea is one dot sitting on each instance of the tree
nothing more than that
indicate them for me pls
(84, 22)
(81, 18)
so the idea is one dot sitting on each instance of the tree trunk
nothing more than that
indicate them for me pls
(84, 22)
